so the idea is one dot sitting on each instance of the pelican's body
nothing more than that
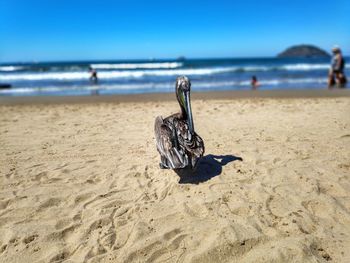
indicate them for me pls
(178, 144)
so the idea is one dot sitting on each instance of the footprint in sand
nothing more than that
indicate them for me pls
(49, 203)
(30, 239)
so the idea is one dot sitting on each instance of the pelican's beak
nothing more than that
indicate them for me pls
(189, 111)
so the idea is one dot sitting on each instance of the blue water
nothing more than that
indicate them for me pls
(147, 76)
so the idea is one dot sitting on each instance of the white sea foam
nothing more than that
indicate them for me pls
(139, 73)
(291, 67)
(305, 67)
(112, 74)
(46, 76)
(293, 81)
(10, 68)
(168, 65)
(30, 90)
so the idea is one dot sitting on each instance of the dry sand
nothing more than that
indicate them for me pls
(80, 183)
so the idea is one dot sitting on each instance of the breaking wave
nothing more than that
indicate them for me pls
(168, 65)
(111, 74)
(137, 73)
(10, 68)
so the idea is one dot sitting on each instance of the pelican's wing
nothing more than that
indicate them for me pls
(197, 149)
(172, 156)
(191, 142)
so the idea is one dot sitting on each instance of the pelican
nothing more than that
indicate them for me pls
(178, 144)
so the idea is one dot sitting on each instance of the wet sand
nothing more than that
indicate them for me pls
(80, 180)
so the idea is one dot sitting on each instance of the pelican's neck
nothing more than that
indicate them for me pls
(186, 111)
(183, 112)
(182, 103)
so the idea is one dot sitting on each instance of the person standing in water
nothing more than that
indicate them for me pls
(336, 72)
(255, 83)
(93, 75)
(93, 79)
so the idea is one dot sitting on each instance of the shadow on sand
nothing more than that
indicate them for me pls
(208, 167)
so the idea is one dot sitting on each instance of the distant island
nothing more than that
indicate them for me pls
(303, 51)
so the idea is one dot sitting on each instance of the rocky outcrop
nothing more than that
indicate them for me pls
(303, 51)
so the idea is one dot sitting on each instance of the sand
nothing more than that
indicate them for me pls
(80, 182)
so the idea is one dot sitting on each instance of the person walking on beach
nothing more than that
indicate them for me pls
(255, 83)
(336, 72)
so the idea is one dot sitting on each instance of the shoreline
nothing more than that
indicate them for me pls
(157, 97)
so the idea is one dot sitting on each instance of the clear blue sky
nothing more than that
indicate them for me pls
(82, 30)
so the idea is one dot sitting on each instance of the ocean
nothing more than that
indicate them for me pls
(147, 76)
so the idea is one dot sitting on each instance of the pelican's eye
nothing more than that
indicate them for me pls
(185, 87)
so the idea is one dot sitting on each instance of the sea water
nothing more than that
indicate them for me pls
(147, 76)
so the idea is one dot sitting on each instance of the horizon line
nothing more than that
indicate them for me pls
(150, 59)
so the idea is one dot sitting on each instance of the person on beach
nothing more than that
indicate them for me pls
(336, 72)
(93, 75)
(93, 79)
(255, 83)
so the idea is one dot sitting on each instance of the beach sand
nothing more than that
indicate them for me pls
(80, 181)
